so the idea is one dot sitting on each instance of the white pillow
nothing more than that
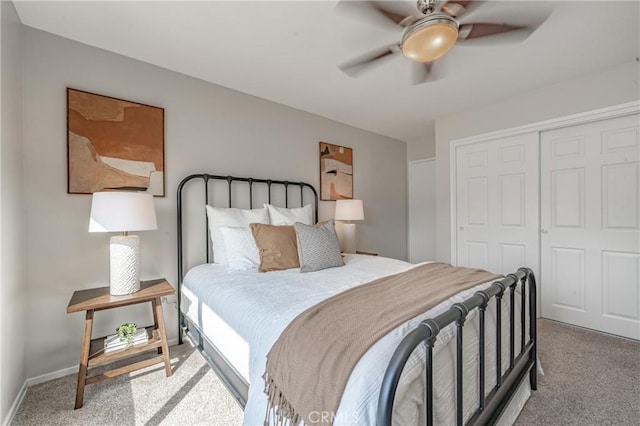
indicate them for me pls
(240, 248)
(282, 216)
(218, 217)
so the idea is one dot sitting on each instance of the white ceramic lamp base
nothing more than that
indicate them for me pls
(349, 237)
(125, 264)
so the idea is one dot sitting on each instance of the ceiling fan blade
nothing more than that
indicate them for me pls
(456, 8)
(379, 11)
(359, 64)
(420, 72)
(507, 33)
(396, 18)
(424, 72)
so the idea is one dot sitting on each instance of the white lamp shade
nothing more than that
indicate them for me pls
(349, 210)
(122, 212)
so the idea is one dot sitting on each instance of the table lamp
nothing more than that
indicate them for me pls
(349, 210)
(123, 212)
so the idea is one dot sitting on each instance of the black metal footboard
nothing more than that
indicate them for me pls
(492, 404)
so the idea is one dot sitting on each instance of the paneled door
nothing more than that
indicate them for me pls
(497, 199)
(590, 239)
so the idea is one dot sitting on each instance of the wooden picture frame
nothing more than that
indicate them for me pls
(336, 172)
(113, 144)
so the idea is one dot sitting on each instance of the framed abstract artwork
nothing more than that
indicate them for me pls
(336, 172)
(113, 144)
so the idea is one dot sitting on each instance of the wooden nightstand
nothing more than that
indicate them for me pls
(92, 352)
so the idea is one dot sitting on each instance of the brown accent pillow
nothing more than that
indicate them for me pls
(277, 246)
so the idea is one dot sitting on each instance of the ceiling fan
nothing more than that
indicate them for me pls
(429, 37)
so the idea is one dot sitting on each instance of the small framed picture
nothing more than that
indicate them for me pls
(336, 172)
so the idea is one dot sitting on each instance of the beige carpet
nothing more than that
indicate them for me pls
(591, 379)
(193, 395)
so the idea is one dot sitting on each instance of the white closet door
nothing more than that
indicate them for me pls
(497, 194)
(422, 210)
(590, 204)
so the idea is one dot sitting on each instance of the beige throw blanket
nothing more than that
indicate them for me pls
(310, 363)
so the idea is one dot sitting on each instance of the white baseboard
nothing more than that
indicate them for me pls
(16, 404)
(31, 381)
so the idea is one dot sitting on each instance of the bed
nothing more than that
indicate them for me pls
(470, 359)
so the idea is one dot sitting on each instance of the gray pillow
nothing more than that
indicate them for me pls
(318, 246)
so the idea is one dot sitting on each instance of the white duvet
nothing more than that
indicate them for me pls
(251, 309)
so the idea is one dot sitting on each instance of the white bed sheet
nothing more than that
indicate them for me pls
(233, 307)
(244, 312)
(231, 345)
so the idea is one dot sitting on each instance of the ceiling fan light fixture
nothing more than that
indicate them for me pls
(430, 37)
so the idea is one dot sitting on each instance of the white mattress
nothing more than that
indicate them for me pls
(244, 312)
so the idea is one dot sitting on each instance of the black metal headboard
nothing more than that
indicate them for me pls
(263, 183)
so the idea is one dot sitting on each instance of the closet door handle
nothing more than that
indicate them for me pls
(544, 231)
(461, 228)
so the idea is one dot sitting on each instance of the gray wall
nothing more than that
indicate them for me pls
(609, 87)
(13, 289)
(208, 128)
(424, 147)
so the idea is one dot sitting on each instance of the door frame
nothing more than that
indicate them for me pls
(409, 233)
(613, 111)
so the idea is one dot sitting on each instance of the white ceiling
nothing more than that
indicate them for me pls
(288, 52)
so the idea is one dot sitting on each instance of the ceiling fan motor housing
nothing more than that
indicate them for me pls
(426, 6)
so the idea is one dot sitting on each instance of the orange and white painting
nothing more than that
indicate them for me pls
(336, 172)
(113, 144)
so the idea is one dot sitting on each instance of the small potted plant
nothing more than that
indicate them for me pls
(126, 332)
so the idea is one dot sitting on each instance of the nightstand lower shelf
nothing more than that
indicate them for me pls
(97, 354)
